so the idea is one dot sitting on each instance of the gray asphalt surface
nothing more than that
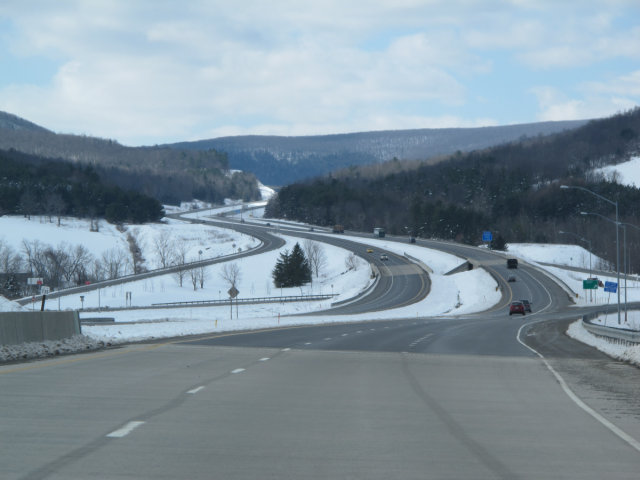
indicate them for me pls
(427, 398)
(205, 412)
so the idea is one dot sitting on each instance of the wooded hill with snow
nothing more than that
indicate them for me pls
(511, 190)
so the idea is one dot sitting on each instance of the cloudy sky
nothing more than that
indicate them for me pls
(148, 72)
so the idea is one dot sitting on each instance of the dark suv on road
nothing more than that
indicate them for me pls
(527, 305)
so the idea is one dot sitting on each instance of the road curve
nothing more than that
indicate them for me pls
(401, 282)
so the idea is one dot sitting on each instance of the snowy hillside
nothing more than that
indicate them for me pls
(627, 173)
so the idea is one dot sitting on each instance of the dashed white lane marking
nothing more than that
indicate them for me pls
(238, 370)
(264, 359)
(124, 431)
(308, 343)
(345, 334)
(415, 342)
(195, 390)
(359, 331)
(328, 338)
(286, 349)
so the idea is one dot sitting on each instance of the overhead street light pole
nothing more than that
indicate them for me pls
(626, 262)
(617, 222)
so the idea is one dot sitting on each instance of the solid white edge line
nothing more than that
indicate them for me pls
(124, 431)
(606, 423)
(195, 390)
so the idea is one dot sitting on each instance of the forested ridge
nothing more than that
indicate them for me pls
(169, 175)
(511, 190)
(31, 185)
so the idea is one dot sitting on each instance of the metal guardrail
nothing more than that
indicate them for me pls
(247, 301)
(611, 334)
(214, 303)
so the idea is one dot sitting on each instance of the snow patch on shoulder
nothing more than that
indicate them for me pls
(49, 348)
(7, 305)
(625, 353)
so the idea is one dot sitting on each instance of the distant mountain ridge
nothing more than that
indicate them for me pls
(9, 121)
(277, 160)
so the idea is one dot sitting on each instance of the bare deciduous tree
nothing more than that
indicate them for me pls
(33, 251)
(180, 262)
(315, 254)
(193, 274)
(231, 274)
(202, 276)
(165, 248)
(10, 260)
(113, 264)
(76, 269)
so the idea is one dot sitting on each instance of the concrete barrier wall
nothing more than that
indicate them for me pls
(23, 327)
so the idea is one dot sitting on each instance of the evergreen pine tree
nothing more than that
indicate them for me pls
(280, 273)
(498, 243)
(300, 269)
(292, 269)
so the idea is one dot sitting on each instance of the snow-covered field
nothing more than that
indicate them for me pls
(462, 293)
(451, 295)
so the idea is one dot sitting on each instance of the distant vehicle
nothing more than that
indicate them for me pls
(412, 240)
(516, 307)
(512, 278)
(311, 229)
(369, 250)
(379, 232)
(268, 224)
(512, 263)
(527, 305)
(338, 229)
(384, 257)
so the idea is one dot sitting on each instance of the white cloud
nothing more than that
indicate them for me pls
(594, 102)
(147, 72)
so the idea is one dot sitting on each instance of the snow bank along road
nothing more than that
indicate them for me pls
(462, 398)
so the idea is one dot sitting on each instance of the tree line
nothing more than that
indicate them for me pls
(31, 185)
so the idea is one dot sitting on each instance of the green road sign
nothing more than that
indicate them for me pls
(590, 284)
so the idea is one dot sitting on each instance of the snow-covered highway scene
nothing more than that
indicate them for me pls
(319, 240)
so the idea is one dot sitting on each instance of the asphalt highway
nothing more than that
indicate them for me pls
(483, 396)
